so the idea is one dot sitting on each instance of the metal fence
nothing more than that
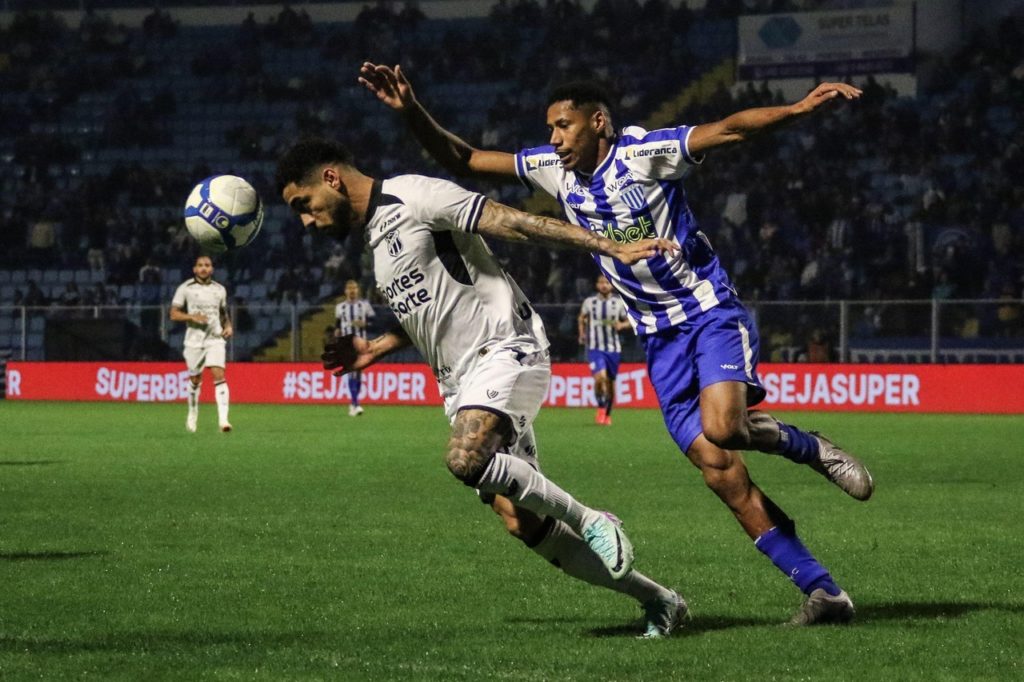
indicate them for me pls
(946, 331)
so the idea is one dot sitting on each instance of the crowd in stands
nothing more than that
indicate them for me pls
(893, 197)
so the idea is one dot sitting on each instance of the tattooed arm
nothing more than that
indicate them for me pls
(506, 223)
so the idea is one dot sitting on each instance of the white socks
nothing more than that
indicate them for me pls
(566, 550)
(528, 488)
(220, 391)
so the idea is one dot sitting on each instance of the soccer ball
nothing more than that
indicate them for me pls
(223, 212)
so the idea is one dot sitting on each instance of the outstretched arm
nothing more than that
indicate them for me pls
(745, 124)
(351, 353)
(509, 224)
(456, 155)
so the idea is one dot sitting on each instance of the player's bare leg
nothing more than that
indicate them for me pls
(728, 423)
(553, 540)
(195, 383)
(223, 396)
(474, 459)
(773, 532)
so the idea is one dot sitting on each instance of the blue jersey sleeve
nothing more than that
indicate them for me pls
(539, 168)
(658, 154)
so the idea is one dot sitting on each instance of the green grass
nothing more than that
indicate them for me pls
(308, 545)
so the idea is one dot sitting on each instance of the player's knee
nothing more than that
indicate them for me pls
(466, 460)
(729, 431)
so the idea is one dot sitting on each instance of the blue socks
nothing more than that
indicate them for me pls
(354, 384)
(791, 557)
(796, 445)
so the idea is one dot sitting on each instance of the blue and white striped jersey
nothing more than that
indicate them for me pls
(348, 312)
(602, 314)
(637, 192)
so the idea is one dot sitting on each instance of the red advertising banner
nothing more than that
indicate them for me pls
(863, 388)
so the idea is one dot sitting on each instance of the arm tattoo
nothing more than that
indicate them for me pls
(509, 224)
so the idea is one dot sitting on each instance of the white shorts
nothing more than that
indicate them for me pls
(509, 380)
(209, 355)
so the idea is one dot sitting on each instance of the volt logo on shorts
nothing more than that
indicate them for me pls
(730, 366)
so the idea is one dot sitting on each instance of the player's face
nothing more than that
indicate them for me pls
(321, 205)
(352, 291)
(575, 134)
(604, 287)
(203, 269)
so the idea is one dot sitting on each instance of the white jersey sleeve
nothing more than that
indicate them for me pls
(658, 154)
(179, 296)
(443, 205)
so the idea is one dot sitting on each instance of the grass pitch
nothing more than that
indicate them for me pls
(309, 545)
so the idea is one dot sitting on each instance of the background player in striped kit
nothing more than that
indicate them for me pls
(353, 317)
(202, 304)
(602, 317)
(701, 344)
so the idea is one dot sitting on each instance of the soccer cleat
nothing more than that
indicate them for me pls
(599, 416)
(821, 607)
(605, 537)
(358, 411)
(664, 615)
(607, 420)
(842, 468)
(191, 421)
(225, 427)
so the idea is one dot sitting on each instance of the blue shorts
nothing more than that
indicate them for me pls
(720, 345)
(603, 360)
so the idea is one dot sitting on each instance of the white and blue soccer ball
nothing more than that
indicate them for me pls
(223, 213)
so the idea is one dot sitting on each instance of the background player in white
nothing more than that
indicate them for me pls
(202, 305)
(353, 317)
(602, 317)
(480, 336)
(701, 343)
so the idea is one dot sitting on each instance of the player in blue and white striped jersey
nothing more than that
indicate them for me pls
(701, 343)
(602, 318)
(353, 317)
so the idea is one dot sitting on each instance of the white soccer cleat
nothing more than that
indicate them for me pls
(842, 468)
(605, 537)
(663, 616)
(358, 411)
(191, 421)
(820, 608)
(225, 427)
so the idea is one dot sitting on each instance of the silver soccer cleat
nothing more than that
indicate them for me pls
(842, 468)
(604, 535)
(821, 608)
(664, 615)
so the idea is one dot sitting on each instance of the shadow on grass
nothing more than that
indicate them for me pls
(158, 641)
(28, 463)
(49, 556)
(866, 614)
(928, 610)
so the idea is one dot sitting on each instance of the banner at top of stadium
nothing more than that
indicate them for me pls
(826, 44)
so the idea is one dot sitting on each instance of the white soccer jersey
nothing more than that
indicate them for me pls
(209, 299)
(602, 315)
(636, 193)
(450, 295)
(348, 312)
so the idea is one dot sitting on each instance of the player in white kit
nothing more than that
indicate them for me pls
(484, 343)
(202, 304)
